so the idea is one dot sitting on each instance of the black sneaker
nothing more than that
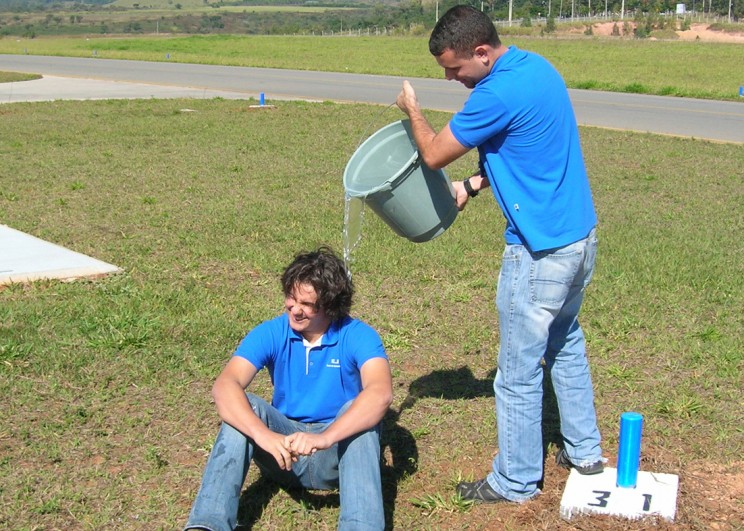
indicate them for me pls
(561, 459)
(479, 492)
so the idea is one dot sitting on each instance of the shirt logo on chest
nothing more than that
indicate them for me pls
(334, 363)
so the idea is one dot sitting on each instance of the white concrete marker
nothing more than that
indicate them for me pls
(261, 103)
(655, 494)
(24, 258)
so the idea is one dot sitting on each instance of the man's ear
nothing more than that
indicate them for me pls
(481, 52)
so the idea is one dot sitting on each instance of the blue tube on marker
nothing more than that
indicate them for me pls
(629, 452)
(261, 99)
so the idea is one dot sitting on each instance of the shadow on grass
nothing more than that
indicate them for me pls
(257, 496)
(404, 454)
(402, 449)
(450, 384)
(461, 384)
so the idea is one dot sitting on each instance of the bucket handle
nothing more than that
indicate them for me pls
(412, 167)
(388, 185)
(366, 131)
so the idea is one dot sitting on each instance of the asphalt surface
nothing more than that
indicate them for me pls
(95, 78)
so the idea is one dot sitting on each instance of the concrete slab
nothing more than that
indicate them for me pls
(24, 258)
(655, 494)
(51, 88)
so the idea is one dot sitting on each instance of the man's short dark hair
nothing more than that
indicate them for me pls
(462, 29)
(327, 274)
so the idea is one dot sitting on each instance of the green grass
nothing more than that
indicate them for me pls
(692, 69)
(107, 419)
(9, 77)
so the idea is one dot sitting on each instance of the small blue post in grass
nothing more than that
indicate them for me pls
(741, 91)
(629, 452)
(167, 56)
(262, 99)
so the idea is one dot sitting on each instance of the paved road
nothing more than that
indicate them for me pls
(93, 78)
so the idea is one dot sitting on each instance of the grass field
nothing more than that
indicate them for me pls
(107, 419)
(692, 69)
(8, 77)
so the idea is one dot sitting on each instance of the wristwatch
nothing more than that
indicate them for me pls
(468, 188)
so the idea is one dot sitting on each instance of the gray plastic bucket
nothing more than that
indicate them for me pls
(387, 173)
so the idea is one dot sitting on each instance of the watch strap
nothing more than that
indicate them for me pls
(469, 188)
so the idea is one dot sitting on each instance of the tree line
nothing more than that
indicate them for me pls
(405, 16)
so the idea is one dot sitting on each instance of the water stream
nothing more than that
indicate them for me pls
(353, 217)
(354, 206)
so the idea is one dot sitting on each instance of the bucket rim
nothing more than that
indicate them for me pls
(411, 165)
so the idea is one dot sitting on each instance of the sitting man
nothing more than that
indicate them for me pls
(332, 387)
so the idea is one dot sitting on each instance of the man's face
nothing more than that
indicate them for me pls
(467, 70)
(304, 315)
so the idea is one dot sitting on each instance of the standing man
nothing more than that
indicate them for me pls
(332, 387)
(520, 118)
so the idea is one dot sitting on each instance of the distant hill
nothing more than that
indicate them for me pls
(52, 5)
(30, 5)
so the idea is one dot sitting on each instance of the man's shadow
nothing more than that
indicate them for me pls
(449, 384)
(461, 383)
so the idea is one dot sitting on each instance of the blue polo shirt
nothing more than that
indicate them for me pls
(521, 120)
(312, 386)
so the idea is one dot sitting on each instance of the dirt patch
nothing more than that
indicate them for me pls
(697, 32)
(719, 492)
(704, 33)
(710, 496)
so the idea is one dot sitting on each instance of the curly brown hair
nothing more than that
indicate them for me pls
(327, 274)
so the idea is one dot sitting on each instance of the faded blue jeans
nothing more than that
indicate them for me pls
(538, 299)
(352, 466)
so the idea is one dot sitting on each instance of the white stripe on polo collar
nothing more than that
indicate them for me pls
(308, 347)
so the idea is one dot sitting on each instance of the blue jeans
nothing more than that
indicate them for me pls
(538, 299)
(352, 466)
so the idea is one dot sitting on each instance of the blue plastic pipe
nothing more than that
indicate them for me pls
(629, 453)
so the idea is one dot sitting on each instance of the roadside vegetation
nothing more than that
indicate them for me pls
(641, 54)
(691, 69)
(107, 419)
(8, 77)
